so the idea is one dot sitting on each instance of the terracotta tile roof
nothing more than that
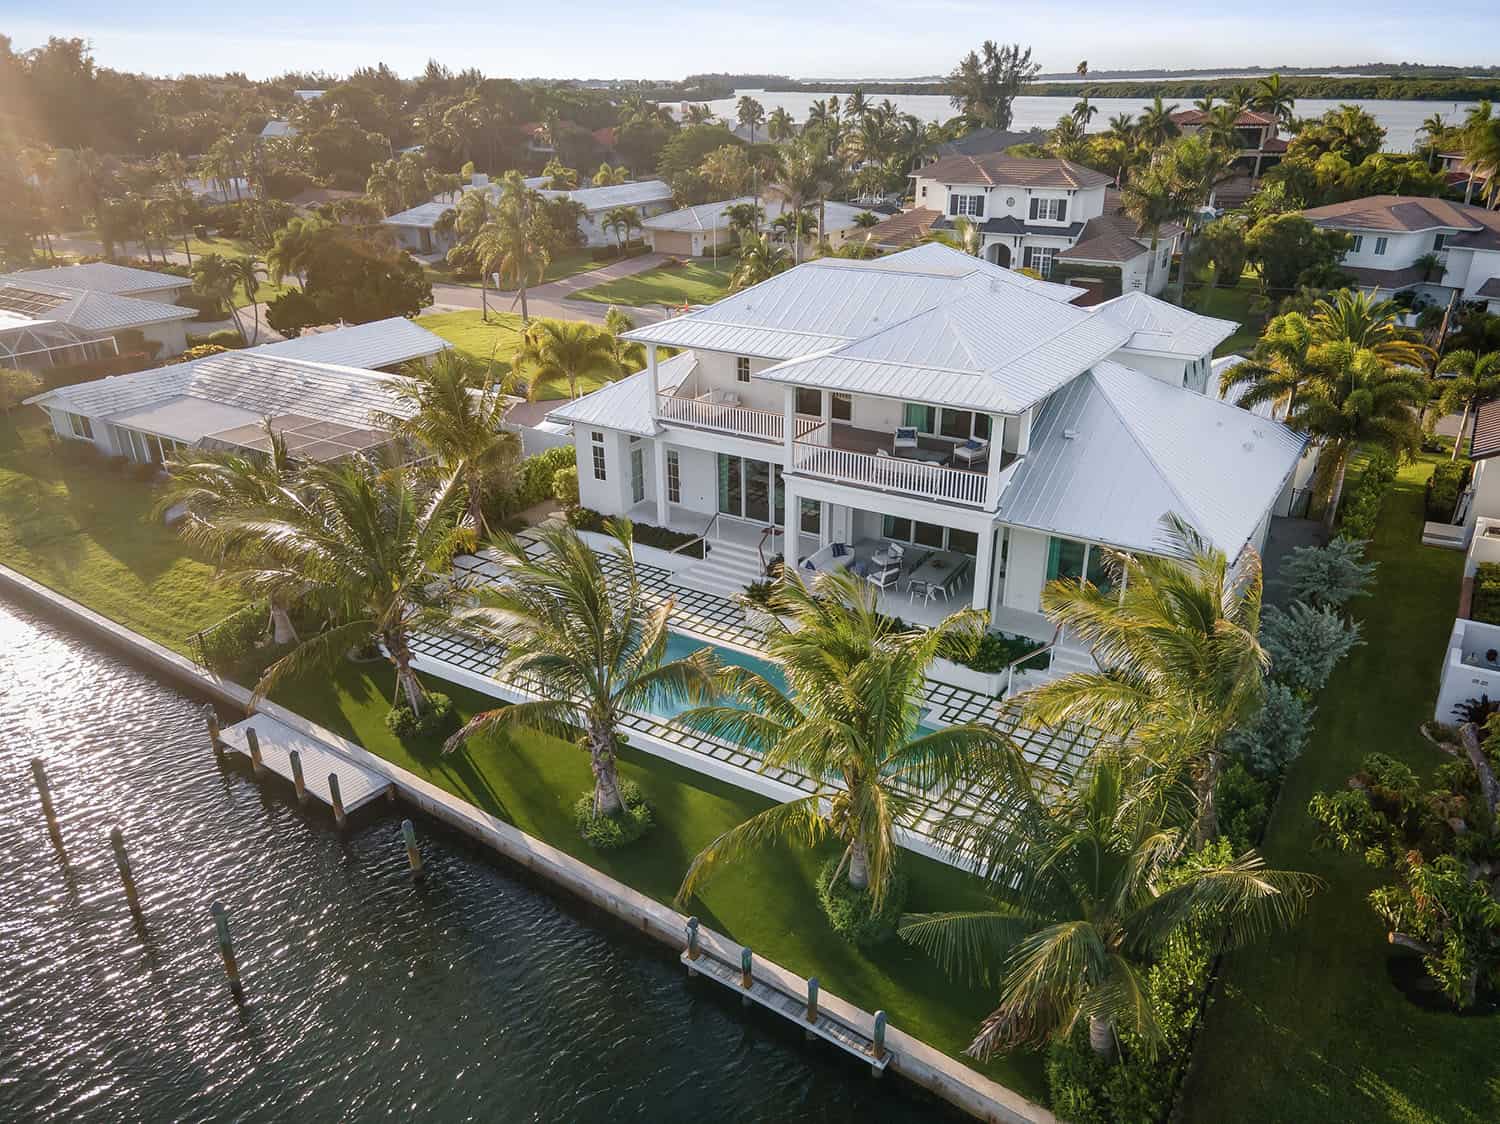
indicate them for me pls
(1192, 117)
(904, 229)
(1386, 278)
(1486, 442)
(1274, 144)
(1403, 213)
(997, 169)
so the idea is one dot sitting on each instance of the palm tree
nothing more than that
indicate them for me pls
(1278, 369)
(1273, 98)
(1180, 664)
(745, 219)
(759, 259)
(248, 274)
(514, 242)
(750, 113)
(962, 235)
(1357, 399)
(801, 179)
(699, 113)
(780, 126)
(1198, 166)
(848, 720)
(1358, 318)
(216, 276)
(1122, 126)
(1482, 152)
(629, 356)
(1156, 125)
(1154, 198)
(372, 542)
(608, 176)
(459, 424)
(569, 350)
(621, 220)
(1476, 379)
(291, 253)
(1084, 112)
(1090, 885)
(584, 640)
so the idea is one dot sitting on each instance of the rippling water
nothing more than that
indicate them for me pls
(475, 996)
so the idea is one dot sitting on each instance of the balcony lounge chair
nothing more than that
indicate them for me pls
(972, 452)
(905, 440)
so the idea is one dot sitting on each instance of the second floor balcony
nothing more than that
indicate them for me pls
(722, 412)
(931, 468)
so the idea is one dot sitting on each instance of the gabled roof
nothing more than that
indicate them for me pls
(995, 169)
(904, 228)
(102, 277)
(92, 311)
(1199, 117)
(711, 216)
(1161, 327)
(273, 129)
(625, 404)
(985, 142)
(615, 195)
(1486, 440)
(1115, 450)
(379, 343)
(423, 215)
(1404, 213)
(1108, 238)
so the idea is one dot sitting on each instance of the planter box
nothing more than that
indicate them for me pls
(645, 555)
(956, 675)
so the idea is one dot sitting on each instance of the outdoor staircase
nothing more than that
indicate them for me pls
(727, 570)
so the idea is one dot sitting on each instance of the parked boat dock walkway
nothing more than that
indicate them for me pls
(358, 785)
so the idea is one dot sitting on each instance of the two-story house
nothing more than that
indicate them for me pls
(996, 434)
(1260, 148)
(1431, 246)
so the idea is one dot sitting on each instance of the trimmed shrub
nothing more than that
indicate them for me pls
(432, 725)
(585, 519)
(666, 539)
(1276, 736)
(852, 912)
(1444, 486)
(1485, 606)
(227, 645)
(565, 486)
(1328, 576)
(538, 474)
(606, 833)
(1243, 803)
(998, 649)
(1306, 644)
(1360, 507)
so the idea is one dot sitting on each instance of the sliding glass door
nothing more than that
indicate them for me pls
(1070, 560)
(751, 489)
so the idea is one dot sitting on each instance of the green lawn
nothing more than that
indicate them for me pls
(1232, 304)
(698, 281)
(86, 530)
(1312, 1029)
(498, 338)
(563, 265)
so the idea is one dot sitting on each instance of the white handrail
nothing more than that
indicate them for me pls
(893, 474)
(741, 420)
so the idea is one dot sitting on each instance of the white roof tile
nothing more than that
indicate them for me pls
(102, 277)
(1159, 326)
(616, 195)
(422, 215)
(93, 311)
(626, 404)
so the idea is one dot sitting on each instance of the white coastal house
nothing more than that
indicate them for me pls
(1395, 238)
(99, 300)
(648, 197)
(320, 390)
(419, 229)
(698, 230)
(957, 432)
(1037, 213)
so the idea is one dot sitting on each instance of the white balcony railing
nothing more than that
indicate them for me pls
(726, 417)
(892, 474)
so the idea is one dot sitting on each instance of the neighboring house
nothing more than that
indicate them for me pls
(1461, 176)
(1028, 212)
(1392, 234)
(95, 314)
(417, 230)
(698, 230)
(1114, 244)
(648, 197)
(311, 197)
(1003, 436)
(107, 277)
(901, 230)
(308, 95)
(1481, 500)
(274, 130)
(1260, 148)
(32, 343)
(985, 142)
(216, 192)
(325, 409)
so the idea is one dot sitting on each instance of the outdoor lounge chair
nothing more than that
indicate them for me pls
(905, 439)
(972, 452)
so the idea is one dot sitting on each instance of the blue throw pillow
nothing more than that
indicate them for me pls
(906, 434)
(839, 550)
(971, 444)
(808, 565)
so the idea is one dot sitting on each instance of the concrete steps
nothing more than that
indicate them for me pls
(727, 570)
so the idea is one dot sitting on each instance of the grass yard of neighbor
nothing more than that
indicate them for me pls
(1312, 1029)
(1231, 304)
(498, 338)
(697, 281)
(563, 265)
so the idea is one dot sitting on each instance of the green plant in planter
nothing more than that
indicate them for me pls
(606, 833)
(432, 725)
(854, 914)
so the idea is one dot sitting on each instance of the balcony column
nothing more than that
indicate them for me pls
(983, 564)
(659, 473)
(655, 385)
(992, 468)
(789, 414)
(791, 544)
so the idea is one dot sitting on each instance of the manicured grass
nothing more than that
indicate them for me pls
(697, 281)
(563, 265)
(1309, 1027)
(1231, 304)
(86, 530)
(498, 338)
(218, 244)
(766, 902)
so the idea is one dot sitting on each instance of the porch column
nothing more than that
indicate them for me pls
(659, 467)
(789, 421)
(655, 385)
(992, 468)
(1023, 433)
(983, 564)
(791, 544)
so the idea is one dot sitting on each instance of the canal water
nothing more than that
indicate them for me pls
(475, 996)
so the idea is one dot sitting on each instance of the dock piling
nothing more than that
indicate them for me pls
(127, 876)
(211, 717)
(253, 740)
(413, 855)
(812, 1005)
(39, 771)
(337, 801)
(877, 1041)
(226, 950)
(297, 778)
(746, 977)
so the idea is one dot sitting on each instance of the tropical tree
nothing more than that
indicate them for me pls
(1175, 641)
(454, 410)
(1198, 166)
(780, 126)
(1156, 126)
(848, 719)
(294, 248)
(621, 220)
(608, 176)
(750, 113)
(1481, 142)
(1475, 380)
(1154, 198)
(628, 355)
(568, 351)
(759, 259)
(699, 113)
(216, 276)
(586, 643)
(1272, 97)
(1084, 111)
(984, 85)
(515, 242)
(1090, 884)
(1357, 317)
(1279, 367)
(745, 219)
(371, 542)
(248, 275)
(963, 235)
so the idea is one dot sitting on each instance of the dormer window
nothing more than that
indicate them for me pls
(1049, 210)
(966, 205)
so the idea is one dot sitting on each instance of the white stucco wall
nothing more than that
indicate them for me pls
(172, 335)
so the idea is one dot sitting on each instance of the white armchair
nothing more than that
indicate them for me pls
(904, 438)
(971, 452)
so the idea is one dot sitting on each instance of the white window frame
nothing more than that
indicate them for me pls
(967, 206)
(1048, 209)
(596, 443)
(1039, 258)
(1381, 245)
(674, 477)
(1358, 244)
(81, 426)
(742, 368)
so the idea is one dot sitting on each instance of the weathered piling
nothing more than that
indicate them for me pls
(336, 800)
(812, 1005)
(39, 771)
(297, 779)
(877, 1042)
(413, 855)
(226, 949)
(211, 717)
(127, 876)
(253, 740)
(693, 951)
(747, 978)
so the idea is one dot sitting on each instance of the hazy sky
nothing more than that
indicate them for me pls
(649, 38)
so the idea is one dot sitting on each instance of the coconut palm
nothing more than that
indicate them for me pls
(699, 113)
(1122, 126)
(802, 177)
(1358, 318)
(628, 355)
(744, 219)
(292, 251)
(759, 259)
(216, 276)
(1279, 367)
(1090, 885)
(610, 176)
(568, 351)
(454, 410)
(1272, 97)
(1475, 380)
(584, 641)
(1198, 167)
(1175, 640)
(780, 126)
(248, 274)
(750, 113)
(1154, 198)
(1156, 126)
(621, 220)
(514, 243)
(370, 541)
(848, 719)
(1357, 399)
(1084, 111)
(963, 235)
(1481, 143)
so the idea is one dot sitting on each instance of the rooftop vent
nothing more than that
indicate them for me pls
(1070, 434)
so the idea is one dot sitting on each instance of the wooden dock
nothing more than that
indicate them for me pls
(358, 785)
(788, 1006)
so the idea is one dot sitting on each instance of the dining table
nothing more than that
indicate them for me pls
(940, 568)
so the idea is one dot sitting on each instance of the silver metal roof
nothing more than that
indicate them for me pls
(1115, 450)
(101, 277)
(380, 343)
(625, 405)
(616, 195)
(422, 216)
(711, 216)
(186, 419)
(1162, 327)
(93, 311)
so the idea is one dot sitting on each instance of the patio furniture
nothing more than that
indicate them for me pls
(884, 577)
(904, 439)
(972, 452)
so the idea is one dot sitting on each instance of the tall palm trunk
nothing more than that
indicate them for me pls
(525, 314)
(282, 629)
(601, 743)
(1333, 484)
(407, 682)
(1151, 262)
(1101, 1036)
(859, 865)
(1463, 424)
